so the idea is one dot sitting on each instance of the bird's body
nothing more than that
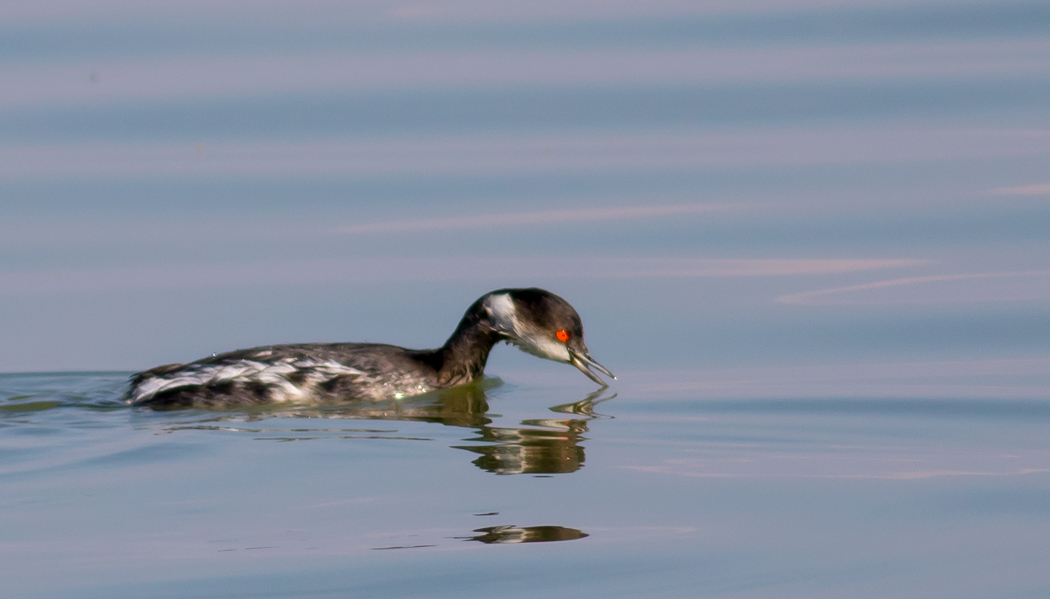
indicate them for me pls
(538, 321)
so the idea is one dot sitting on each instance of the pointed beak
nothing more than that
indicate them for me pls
(585, 362)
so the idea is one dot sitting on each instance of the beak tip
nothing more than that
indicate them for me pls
(583, 363)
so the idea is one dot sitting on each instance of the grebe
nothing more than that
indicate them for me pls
(537, 321)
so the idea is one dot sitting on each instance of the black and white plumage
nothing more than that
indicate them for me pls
(535, 320)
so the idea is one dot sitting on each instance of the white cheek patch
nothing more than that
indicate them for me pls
(544, 348)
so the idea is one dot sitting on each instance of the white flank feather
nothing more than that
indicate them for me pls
(274, 375)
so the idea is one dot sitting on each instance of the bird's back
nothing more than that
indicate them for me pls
(296, 373)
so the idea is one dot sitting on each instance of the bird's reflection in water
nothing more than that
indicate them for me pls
(539, 446)
(525, 534)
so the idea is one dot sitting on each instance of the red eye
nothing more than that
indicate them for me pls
(562, 336)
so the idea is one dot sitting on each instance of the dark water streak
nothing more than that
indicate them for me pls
(836, 24)
(550, 109)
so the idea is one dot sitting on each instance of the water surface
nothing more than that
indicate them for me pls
(810, 237)
(522, 486)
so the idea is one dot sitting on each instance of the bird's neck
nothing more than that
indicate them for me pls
(464, 355)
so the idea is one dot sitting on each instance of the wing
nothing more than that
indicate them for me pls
(284, 373)
(239, 380)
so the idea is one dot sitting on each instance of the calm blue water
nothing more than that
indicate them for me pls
(809, 236)
(665, 493)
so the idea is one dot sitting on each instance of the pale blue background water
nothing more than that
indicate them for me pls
(810, 236)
